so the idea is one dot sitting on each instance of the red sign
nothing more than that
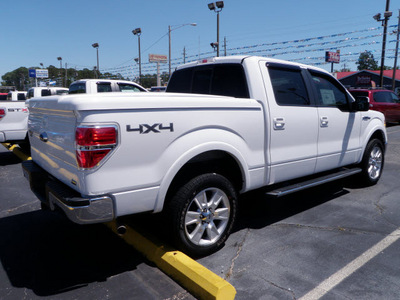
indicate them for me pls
(333, 57)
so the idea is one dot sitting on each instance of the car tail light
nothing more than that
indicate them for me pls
(94, 143)
(2, 113)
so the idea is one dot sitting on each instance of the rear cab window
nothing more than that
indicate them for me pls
(216, 79)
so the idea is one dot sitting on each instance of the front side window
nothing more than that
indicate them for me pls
(128, 88)
(289, 87)
(329, 92)
(103, 87)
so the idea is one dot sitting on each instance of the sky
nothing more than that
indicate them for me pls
(39, 31)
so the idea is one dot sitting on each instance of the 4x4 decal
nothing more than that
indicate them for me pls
(146, 128)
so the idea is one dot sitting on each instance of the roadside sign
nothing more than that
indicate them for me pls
(42, 73)
(333, 57)
(157, 58)
(38, 73)
(32, 73)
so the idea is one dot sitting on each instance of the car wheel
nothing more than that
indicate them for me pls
(202, 213)
(372, 163)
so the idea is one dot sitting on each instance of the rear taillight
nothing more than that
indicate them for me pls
(2, 113)
(93, 143)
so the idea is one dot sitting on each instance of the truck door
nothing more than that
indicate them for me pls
(339, 128)
(292, 121)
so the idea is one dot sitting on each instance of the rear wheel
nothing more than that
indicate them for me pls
(202, 213)
(372, 163)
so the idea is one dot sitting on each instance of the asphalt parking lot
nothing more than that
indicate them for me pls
(337, 241)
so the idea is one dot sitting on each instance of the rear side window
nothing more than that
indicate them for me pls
(385, 97)
(103, 87)
(30, 93)
(21, 96)
(219, 79)
(46, 93)
(77, 88)
(289, 87)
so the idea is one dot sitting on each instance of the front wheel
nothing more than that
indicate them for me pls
(372, 163)
(202, 213)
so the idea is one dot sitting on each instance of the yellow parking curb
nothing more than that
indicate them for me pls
(194, 277)
(14, 148)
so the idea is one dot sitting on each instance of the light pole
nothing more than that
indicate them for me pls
(138, 32)
(96, 46)
(170, 28)
(386, 15)
(217, 7)
(60, 59)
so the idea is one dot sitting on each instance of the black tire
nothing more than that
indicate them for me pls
(200, 228)
(372, 163)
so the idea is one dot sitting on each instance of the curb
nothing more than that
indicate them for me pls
(194, 277)
(14, 148)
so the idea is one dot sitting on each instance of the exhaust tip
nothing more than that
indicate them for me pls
(121, 229)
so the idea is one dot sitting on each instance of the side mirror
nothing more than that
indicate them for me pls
(361, 104)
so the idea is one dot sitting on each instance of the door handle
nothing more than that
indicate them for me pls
(324, 121)
(279, 123)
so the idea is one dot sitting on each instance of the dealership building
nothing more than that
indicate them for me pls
(367, 78)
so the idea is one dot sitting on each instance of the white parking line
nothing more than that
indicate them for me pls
(329, 283)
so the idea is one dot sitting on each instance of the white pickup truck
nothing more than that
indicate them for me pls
(225, 126)
(13, 121)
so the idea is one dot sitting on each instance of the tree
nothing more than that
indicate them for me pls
(366, 61)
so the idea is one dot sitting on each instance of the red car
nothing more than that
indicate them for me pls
(384, 101)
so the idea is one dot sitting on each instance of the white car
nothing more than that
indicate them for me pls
(35, 92)
(93, 86)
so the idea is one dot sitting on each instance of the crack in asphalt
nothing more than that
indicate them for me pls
(338, 228)
(240, 247)
(11, 210)
(282, 288)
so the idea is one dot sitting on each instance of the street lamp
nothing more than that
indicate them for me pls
(138, 32)
(169, 41)
(217, 7)
(387, 14)
(96, 46)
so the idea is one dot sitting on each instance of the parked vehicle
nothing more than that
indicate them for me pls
(3, 96)
(158, 89)
(17, 96)
(93, 86)
(13, 121)
(45, 91)
(381, 100)
(279, 125)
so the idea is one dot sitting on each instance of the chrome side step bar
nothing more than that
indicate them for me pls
(283, 191)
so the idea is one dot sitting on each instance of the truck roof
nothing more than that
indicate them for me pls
(240, 58)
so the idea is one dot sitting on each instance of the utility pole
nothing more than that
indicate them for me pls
(184, 55)
(385, 21)
(395, 56)
(224, 45)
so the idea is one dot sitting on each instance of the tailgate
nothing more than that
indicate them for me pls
(52, 137)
